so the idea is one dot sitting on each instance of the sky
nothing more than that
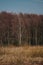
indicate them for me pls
(22, 6)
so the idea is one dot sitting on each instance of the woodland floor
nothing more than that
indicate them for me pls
(26, 55)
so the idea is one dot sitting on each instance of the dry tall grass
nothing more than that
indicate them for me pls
(21, 55)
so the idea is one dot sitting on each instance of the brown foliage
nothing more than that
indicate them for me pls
(9, 28)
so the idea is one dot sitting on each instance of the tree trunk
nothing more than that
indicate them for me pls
(19, 29)
(36, 36)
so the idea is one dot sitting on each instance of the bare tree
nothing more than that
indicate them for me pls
(19, 35)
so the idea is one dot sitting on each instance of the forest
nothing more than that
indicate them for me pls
(21, 29)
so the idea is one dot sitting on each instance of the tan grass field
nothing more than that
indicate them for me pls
(27, 55)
